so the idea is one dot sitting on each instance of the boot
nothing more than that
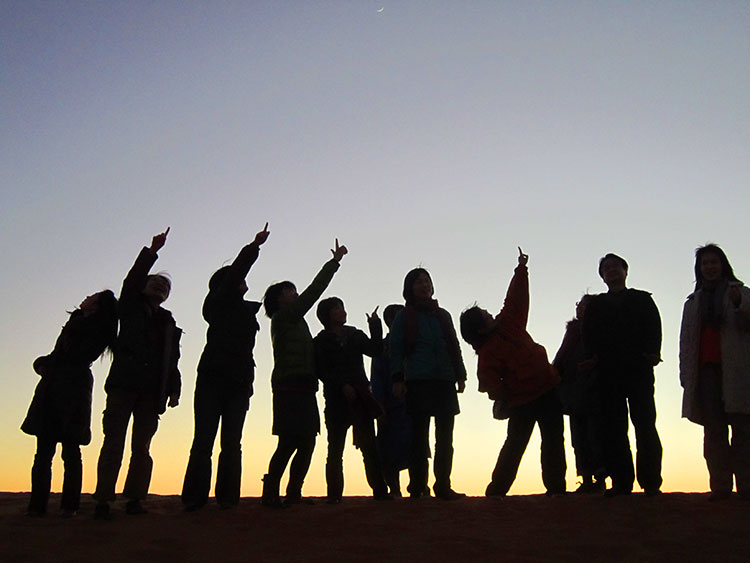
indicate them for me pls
(270, 496)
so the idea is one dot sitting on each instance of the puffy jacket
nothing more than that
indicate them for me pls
(293, 354)
(512, 368)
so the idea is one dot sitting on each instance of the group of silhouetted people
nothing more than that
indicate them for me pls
(602, 375)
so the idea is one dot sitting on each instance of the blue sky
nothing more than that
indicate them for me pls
(442, 134)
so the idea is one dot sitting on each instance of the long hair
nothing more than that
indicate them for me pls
(409, 280)
(106, 317)
(726, 268)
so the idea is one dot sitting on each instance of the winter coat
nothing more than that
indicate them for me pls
(293, 354)
(735, 355)
(61, 407)
(339, 362)
(620, 329)
(232, 327)
(577, 389)
(148, 344)
(431, 358)
(512, 368)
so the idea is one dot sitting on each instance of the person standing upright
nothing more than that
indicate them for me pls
(143, 379)
(714, 368)
(427, 369)
(225, 381)
(622, 338)
(296, 420)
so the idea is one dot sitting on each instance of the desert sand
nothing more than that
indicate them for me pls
(670, 527)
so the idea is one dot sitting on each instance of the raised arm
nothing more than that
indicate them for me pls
(135, 281)
(515, 309)
(241, 265)
(312, 293)
(373, 346)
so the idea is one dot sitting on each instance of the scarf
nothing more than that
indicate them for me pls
(712, 303)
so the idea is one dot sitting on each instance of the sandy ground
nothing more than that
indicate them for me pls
(671, 527)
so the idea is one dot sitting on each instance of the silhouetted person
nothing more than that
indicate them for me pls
(622, 336)
(428, 370)
(515, 372)
(394, 427)
(581, 400)
(225, 382)
(142, 379)
(715, 370)
(339, 351)
(60, 411)
(296, 420)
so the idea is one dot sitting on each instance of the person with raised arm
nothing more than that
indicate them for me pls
(394, 427)
(294, 383)
(142, 381)
(225, 382)
(516, 374)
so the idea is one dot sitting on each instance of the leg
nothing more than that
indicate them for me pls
(279, 460)
(520, 425)
(334, 460)
(299, 467)
(443, 463)
(197, 482)
(741, 453)
(115, 425)
(579, 440)
(616, 446)
(145, 423)
(551, 427)
(716, 448)
(73, 477)
(41, 476)
(647, 443)
(420, 451)
(373, 465)
(229, 471)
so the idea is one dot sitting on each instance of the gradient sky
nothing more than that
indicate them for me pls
(432, 133)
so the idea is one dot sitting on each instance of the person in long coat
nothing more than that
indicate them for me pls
(715, 370)
(60, 412)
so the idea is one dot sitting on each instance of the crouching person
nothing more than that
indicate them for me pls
(515, 372)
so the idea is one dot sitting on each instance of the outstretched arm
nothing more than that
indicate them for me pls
(135, 281)
(339, 251)
(244, 261)
(516, 306)
(312, 293)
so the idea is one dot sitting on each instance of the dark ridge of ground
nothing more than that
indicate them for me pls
(681, 527)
